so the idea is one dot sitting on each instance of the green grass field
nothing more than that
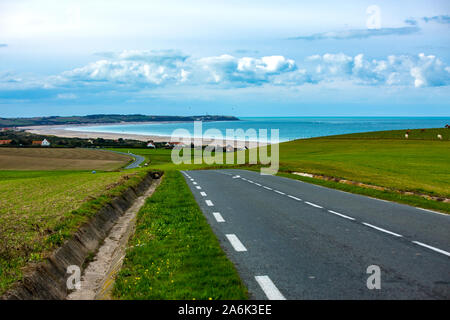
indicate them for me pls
(40, 209)
(420, 164)
(174, 254)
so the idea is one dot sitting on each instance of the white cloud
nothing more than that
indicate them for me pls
(418, 71)
(140, 70)
(246, 70)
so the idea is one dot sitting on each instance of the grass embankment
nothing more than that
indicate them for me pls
(60, 159)
(41, 209)
(174, 254)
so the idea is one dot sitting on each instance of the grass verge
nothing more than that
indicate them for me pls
(412, 200)
(174, 254)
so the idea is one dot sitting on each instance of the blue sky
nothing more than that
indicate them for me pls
(244, 58)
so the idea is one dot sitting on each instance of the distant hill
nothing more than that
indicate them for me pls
(104, 118)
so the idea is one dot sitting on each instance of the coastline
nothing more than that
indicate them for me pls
(61, 131)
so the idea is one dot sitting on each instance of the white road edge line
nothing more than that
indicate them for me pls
(218, 217)
(431, 211)
(236, 243)
(432, 248)
(382, 230)
(295, 198)
(203, 194)
(313, 204)
(209, 203)
(259, 185)
(279, 192)
(341, 215)
(269, 288)
(267, 188)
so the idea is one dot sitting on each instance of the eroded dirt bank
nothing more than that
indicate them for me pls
(48, 279)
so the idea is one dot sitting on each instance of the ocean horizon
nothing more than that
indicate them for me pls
(290, 128)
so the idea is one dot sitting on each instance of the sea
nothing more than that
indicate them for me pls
(289, 128)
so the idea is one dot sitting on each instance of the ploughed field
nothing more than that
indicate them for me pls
(60, 159)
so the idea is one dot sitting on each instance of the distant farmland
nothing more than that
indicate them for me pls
(60, 159)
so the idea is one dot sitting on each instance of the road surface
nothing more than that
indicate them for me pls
(293, 240)
(137, 159)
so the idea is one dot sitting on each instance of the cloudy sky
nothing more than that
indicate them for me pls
(244, 58)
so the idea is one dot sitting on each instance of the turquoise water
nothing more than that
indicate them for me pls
(289, 128)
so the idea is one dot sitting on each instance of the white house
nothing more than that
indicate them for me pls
(151, 145)
(45, 143)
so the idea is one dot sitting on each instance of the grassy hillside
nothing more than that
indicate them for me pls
(414, 134)
(40, 209)
(60, 159)
(420, 164)
(105, 118)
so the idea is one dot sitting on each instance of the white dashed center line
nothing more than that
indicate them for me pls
(218, 217)
(209, 203)
(382, 230)
(236, 243)
(194, 182)
(432, 248)
(269, 288)
(341, 215)
(266, 284)
(203, 194)
(313, 204)
(198, 187)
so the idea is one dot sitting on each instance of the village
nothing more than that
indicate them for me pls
(18, 138)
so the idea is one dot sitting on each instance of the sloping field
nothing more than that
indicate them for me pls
(40, 209)
(382, 158)
(60, 159)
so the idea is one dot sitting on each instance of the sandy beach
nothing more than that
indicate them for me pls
(61, 131)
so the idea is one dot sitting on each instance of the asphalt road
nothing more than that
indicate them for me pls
(137, 160)
(293, 240)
